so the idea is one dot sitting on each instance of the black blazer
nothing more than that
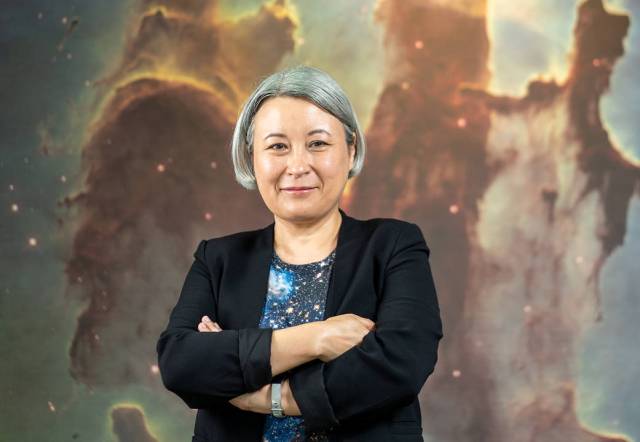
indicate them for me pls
(369, 393)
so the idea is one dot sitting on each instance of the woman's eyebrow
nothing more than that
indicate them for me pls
(315, 131)
(311, 132)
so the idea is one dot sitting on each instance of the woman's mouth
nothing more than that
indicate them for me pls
(298, 190)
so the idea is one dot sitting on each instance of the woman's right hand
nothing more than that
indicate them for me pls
(340, 333)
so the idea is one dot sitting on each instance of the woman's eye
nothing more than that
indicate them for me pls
(316, 143)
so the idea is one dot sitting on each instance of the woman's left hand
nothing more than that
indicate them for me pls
(207, 325)
(258, 401)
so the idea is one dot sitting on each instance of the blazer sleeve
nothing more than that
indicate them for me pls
(392, 363)
(206, 369)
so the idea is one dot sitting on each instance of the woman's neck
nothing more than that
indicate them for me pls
(308, 241)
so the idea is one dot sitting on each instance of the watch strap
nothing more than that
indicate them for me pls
(276, 400)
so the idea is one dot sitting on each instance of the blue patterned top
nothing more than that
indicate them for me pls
(297, 294)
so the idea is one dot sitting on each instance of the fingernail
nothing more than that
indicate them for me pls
(206, 318)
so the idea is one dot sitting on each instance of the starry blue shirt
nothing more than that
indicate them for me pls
(297, 294)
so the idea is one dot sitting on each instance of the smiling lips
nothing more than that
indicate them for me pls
(298, 190)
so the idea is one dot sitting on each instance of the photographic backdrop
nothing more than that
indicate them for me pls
(508, 131)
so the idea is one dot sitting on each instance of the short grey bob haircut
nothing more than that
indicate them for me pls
(306, 82)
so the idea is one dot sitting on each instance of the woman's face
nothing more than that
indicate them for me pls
(299, 145)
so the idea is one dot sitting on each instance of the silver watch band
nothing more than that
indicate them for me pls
(276, 400)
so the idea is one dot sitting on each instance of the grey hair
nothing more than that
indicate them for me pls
(309, 83)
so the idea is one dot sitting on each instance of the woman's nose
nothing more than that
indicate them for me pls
(298, 160)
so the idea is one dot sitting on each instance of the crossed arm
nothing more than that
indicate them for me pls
(212, 369)
(290, 347)
(385, 371)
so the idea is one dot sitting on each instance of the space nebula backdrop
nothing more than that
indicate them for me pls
(508, 131)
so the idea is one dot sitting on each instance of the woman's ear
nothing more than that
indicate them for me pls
(352, 152)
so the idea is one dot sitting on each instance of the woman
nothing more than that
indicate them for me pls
(319, 326)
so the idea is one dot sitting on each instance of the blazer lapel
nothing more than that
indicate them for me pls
(345, 262)
(258, 262)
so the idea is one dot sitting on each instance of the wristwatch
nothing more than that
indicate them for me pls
(276, 400)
